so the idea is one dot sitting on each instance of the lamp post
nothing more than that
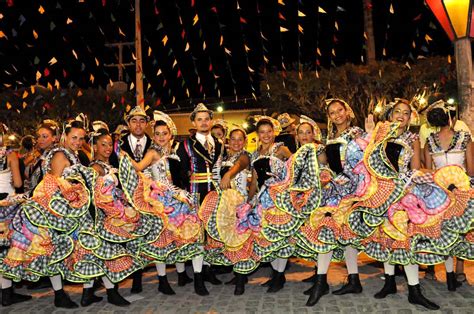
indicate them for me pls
(455, 16)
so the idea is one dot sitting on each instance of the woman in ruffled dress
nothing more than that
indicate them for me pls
(182, 234)
(116, 221)
(326, 231)
(268, 164)
(393, 157)
(449, 147)
(42, 250)
(10, 178)
(47, 136)
(220, 211)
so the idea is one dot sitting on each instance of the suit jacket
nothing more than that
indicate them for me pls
(125, 146)
(194, 158)
(288, 140)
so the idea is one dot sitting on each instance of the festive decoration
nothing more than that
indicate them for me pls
(454, 16)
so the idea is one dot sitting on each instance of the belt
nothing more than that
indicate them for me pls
(201, 177)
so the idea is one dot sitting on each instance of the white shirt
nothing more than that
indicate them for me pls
(134, 141)
(203, 138)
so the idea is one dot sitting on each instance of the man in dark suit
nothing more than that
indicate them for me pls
(287, 136)
(136, 143)
(200, 154)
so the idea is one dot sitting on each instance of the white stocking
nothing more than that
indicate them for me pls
(324, 260)
(56, 282)
(274, 264)
(281, 264)
(89, 284)
(6, 283)
(449, 264)
(107, 283)
(351, 260)
(411, 270)
(388, 268)
(197, 263)
(161, 269)
(180, 267)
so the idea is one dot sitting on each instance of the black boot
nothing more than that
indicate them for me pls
(240, 281)
(88, 297)
(352, 286)
(452, 282)
(416, 297)
(164, 286)
(313, 277)
(278, 283)
(43, 283)
(210, 276)
(233, 281)
(269, 281)
(137, 282)
(389, 287)
(113, 297)
(183, 279)
(9, 297)
(62, 299)
(319, 289)
(199, 286)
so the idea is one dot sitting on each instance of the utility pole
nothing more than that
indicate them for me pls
(119, 86)
(138, 54)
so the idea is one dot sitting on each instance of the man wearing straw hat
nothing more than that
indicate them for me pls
(200, 155)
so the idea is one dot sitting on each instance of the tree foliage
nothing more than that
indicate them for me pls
(363, 87)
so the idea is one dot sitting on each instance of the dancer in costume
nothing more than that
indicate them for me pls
(224, 213)
(448, 147)
(116, 221)
(10, 178)
(219, 130)
(47, 136)
(136, 144)
(182, 235)
(39, 245)
(326, 230)
(268, 163)
(200, 156)
(393, 156)
(307, 132)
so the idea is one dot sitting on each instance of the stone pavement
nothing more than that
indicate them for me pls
(256, 300)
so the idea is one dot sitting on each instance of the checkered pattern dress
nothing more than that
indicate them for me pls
(179, 235)
(326, 227)
(413, 217)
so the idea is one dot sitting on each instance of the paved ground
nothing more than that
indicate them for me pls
(256, 300)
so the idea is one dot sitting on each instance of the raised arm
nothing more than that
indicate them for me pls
(428, 159)
(469, 160)
(58, 163)
(241, 164)
(253, 186)
(416, 159)
(14, 165)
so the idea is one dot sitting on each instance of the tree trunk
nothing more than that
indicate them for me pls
(462, 49)
(369, 31)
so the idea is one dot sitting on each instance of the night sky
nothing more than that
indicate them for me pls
(261, 34)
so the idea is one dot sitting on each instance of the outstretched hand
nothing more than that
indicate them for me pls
(369, 123)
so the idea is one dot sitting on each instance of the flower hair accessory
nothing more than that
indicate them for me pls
(414, 118)
(274, 122)
(161, 116)
(348, 108)
(316, 130)
(233, 127)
